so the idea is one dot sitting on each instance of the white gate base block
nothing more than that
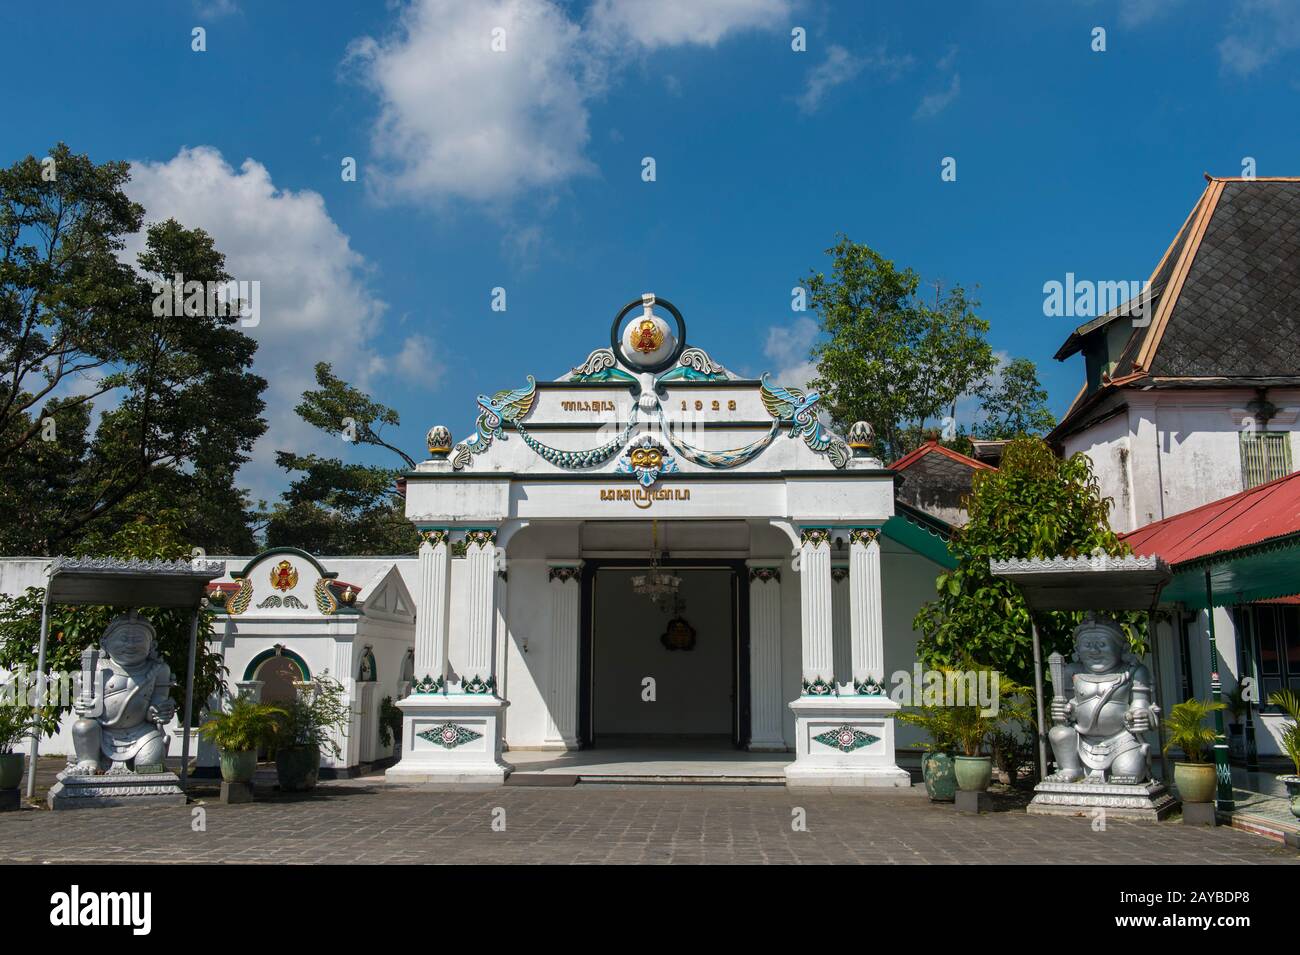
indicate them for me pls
(856, 745)
(461, 741)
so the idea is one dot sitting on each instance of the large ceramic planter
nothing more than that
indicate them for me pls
(937, 771)
(974, 773)
(1292, 784)
(1196, 782)
(298, 768)
(11, 770)
(238, 767)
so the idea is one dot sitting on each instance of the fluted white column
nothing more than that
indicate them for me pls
(502, 638)
(815, 612)
(766, 707)
(476, 674)
(866, 606)
(431, 615)
(841, 636)
(562, 687)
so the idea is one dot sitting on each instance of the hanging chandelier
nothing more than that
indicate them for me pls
(659, 586)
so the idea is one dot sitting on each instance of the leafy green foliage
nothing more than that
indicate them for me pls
(1290, 738)
(1034, 505)
(888, 357)
(966, 729)
(314, 717)
(17, 720)
(1187, 731)
(181, 409)
(338, 507)
(74, 629)
(247, 726)
(1016, 405)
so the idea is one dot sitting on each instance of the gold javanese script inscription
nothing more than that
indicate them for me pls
(598, 405)
(645, 497)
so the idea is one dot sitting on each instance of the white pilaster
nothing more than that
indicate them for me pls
(431, 612)
(452, 734)
(817, 636)
(478, 616)
(562, 687)
(866, 607)
(841, 635)
(765, 658)
(843, 737)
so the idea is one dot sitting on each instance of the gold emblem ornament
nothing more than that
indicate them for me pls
(284, 576)
(648, 337)
(650, 458)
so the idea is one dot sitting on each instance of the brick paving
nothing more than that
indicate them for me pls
(362, 821)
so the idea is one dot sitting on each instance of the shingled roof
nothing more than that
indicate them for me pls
(1224, 300)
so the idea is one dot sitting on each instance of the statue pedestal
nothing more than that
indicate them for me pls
(1149, 801)
(845, 741)
(452, 739)
(127, 789)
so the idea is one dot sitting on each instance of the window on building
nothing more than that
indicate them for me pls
(1265, 456)
(1277, 649)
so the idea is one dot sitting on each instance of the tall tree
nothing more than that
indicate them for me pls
(889, 358)
(337, 507)
(180, 407)
(1015, 406)
(1034, 505)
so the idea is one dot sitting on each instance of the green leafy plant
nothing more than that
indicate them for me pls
(247, 726)
(1236, 703)
(390, 721)
(1034, 505)
(1289, 702)
(936, 722)
(1187, 730)
(966, 729)
(17, 720)
(316, 717)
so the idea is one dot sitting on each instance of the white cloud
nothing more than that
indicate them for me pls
(840, 66)
(788, 348)
(214, 9)
(416, 360)
(1136, 13)
(315, 302)
(461, 121)
(1261, 31)
(932, 104)
(658, 23)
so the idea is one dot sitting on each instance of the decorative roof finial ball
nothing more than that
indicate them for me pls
(439, 441)
(861, 437)
(648, 340)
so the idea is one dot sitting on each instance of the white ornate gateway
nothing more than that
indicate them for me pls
(530, 633)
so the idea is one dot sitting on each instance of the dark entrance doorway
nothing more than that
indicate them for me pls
(644, 682)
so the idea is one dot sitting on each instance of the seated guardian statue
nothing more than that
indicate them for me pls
(124, 703)
(1097, 731)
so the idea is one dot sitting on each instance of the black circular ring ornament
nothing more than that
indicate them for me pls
(663, 364)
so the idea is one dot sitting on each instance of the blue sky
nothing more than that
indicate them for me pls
(522, 169)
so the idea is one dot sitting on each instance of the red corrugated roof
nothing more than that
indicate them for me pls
(932, 445)
(1252, 517)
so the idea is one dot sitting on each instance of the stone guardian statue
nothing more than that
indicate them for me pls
(124, 703)
(1098, 727)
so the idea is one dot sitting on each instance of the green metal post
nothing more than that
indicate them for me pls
(1222, 771)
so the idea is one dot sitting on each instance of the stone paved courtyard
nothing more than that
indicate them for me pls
(365, 822)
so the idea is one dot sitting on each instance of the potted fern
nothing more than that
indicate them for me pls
(240, 733)
(311, 723)
(1289, 702)
(16, 722)
(1195, 779)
